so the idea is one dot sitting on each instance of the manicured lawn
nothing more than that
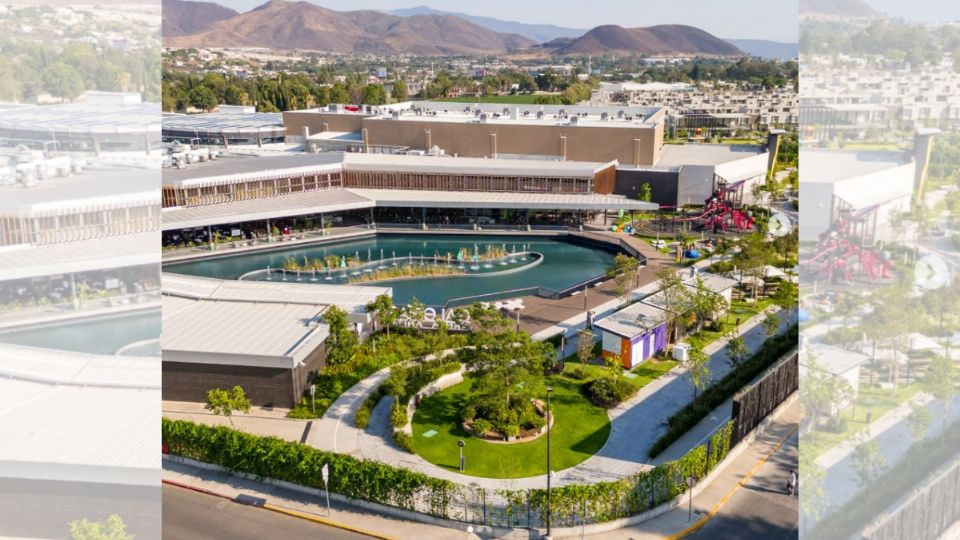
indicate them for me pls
(870, 400)
(645, 373)
(521, 99)
(579, 431)
(738, 310)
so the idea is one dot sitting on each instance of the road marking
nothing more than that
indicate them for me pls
(726, 498)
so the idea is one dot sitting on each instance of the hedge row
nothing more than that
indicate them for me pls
(683, 420)
(373, 481)
(271, 457)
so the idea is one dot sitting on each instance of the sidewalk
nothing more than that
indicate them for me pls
(711, 499)
(356, 519)
(672, 524)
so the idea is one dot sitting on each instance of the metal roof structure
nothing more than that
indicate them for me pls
(27, 261)
(223, 123)
(112, 398)
(633, 320)
(676, 155)
(347, 297)
(472, 166)
(294, 204)
(712, 282)
(239, 332)
(831, 166)
(238, 168)
(501, 199)
(832, 359)
(92, 186)
(74, 118)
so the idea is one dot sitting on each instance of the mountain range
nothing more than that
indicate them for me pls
(423, 30)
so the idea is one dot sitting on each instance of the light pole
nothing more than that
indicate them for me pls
(691, 481)
(549, 391)
(461, 444)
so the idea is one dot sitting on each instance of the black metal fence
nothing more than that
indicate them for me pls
(928, 514)
(752, 404)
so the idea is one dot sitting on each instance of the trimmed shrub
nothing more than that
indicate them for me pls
(398, 415)
(403, 440)
(609, 392)
(683, 420)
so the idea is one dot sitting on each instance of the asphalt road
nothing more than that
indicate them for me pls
(760, 509)
(189, 515)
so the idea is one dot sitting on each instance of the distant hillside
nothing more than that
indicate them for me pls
(301, 25)
(660, 39)
(537, 32)
(180, 17)
(837, 9)
(774, 50)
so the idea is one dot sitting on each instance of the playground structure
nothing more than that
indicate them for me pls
(842, 252)
(719, 215)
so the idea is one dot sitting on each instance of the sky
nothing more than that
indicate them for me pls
(919, 10)
(731, 19)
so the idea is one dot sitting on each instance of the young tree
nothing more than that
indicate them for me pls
(705, 303)
(646, 192)
(614, 366)
(385, 310)
(737, 351)
(400, 91)
(112, 529)
(919, 421)
(584, 349)
(698, 364)
(752, 259)
(941, 381)
(821, 394)
(868, 463)
(624, 273)
(344, 341)
(675, 298)
(786, 298)
(416, 310)
(224, 402)
(813, 496)
(771, 324)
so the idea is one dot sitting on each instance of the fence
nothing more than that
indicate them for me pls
(753, 404)
(376, 482)
(928, 514)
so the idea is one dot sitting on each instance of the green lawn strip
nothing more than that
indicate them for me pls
(682, 421)
(870, 400)
(521, 99)
(579, 431)
(924, 458)
(743, 311)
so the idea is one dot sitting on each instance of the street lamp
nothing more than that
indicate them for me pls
(549, 470)
(691, 481)
(461, 444)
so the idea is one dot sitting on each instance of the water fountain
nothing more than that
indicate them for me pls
(314, 278)
(284, 270)
(393, 257)
(298, 274)
(269, 274)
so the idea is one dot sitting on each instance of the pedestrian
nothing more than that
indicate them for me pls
(792, 483)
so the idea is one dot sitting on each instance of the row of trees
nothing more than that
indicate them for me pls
(755, 71)
(28, 70)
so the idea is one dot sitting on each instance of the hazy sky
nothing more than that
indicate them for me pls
(919, 10)
(759, 19)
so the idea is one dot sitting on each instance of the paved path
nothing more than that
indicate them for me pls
(767, 460)
(738, 510)
(635, 426)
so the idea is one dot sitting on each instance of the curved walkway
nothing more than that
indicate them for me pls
(635, 425)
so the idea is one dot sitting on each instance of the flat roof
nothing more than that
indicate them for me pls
(500, 199)
(276, 330)
(113, 398)
(120, 251)
(217, 123)
(712, 282)
(127, 118)
(633, 320)
(239, 167)
(90, 187)
(675, 155)
(294, 204)
(350, 298)
(469, 165)
(338, 200)
(832, 359)
(658, 299)
(829, 166)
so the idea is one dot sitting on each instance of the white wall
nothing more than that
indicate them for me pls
(695, 184)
